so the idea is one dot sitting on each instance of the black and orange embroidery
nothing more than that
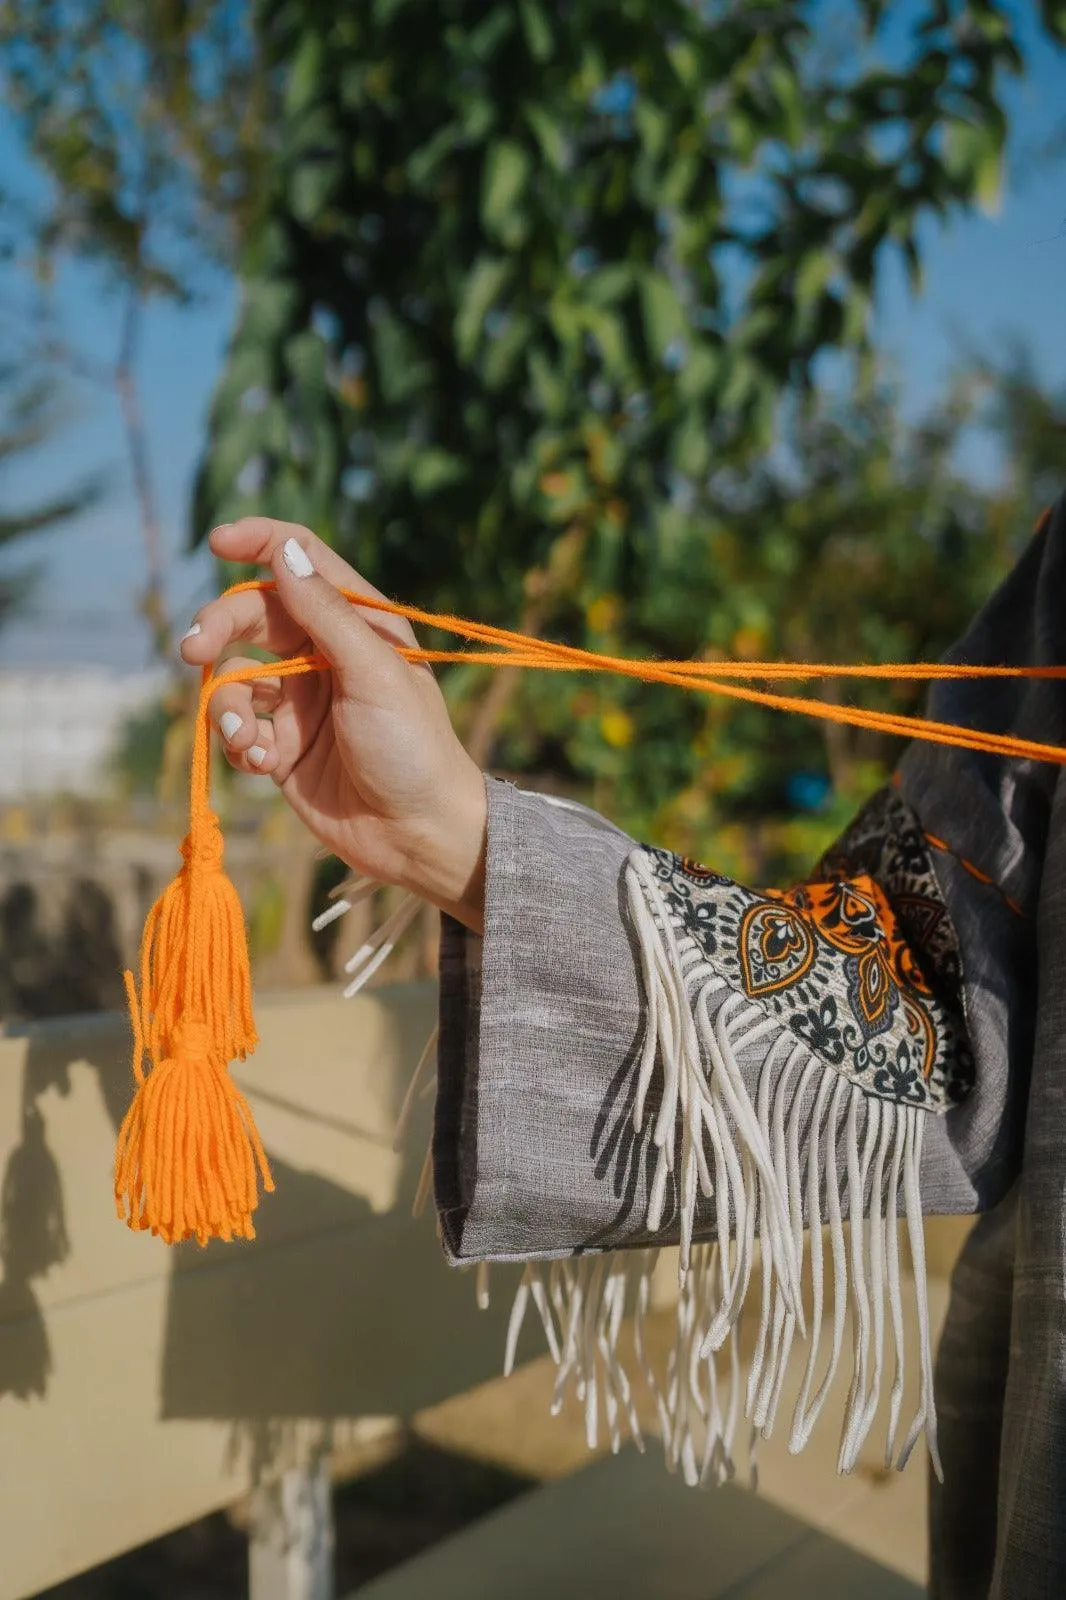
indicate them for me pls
(776, 948)
(860, 962)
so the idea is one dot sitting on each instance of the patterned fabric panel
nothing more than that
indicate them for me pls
(860, 962)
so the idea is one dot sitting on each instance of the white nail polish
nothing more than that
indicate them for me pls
(257, 755)
(229, 723)
(296, 559)
(190, 633)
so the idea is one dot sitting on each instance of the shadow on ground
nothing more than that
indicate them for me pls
(400, 1508)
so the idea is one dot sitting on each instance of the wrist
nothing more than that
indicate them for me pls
(448, 867)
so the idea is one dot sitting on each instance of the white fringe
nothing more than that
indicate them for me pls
(762, 1162)
(371, 955)
(382, 942)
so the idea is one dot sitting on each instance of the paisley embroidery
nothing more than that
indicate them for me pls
(860, 962)
(776, 948)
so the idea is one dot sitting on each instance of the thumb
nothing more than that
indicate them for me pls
(358, 654)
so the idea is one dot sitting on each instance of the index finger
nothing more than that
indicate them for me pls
(258, 539)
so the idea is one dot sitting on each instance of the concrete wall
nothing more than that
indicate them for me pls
(58, 729)
(142, 1387)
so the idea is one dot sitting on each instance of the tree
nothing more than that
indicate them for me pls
(1031, 423)
(532, 282)
(29, 416)
(858, 539)
(148, 122)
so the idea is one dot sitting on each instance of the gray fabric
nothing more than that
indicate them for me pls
(540, 1026)
(541, 1023)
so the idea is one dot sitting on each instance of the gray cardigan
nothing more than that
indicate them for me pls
(639, 1052)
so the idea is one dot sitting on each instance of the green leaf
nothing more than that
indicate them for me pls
(269, 310)
(503, 353)
(678, 180)
(401, 370)
(479, 117)
(875, 212)
(250, 366)
(549, 385)
(486, 38)
(973, 154)
(305, 357)
(753, 328)
(549, 134)
(858, 306)
(233, 446)
(483, 285)
(664, 317)
(609, 333)
(685, 60)
(433, 470)
(786, 87)
(609, 284)
(739, 384)
(692, 446)
(567, 321)
(305, 80)
(700, 373)
(423, 164)
(312, 186)
(506, 173)
(653, 125)
(537, 30)
(812, 276)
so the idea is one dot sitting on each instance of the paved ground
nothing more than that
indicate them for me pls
(476, 1453)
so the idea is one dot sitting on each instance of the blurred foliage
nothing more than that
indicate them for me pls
(148, 124)
(138, 757)
(266, 916)
(530, 326)
(148, 121)
(30, 413)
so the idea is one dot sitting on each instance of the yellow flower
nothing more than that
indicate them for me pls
(617, 729)
(556, 484)
(604, 612)
(747, 643)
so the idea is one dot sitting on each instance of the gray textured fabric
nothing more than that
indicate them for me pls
(541, 1023)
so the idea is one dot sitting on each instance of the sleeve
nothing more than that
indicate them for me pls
(641, 1052)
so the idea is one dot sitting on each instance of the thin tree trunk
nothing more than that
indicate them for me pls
(153, 602)
(839, 743)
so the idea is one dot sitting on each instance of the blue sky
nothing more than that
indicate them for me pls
(988, 281)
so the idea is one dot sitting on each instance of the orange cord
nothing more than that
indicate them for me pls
(521, 650)
(189, 1159)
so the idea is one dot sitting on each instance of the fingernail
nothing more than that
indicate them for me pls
(229, 723)
(296, 559)
(220, 528)
(257, 755)
(190, 633)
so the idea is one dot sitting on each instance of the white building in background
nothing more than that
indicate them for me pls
(59, 729)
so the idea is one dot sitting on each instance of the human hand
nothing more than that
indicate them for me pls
(364, 753)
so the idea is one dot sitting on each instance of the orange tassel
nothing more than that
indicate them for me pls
(189, 1158)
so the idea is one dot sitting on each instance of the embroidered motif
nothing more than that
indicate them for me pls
(861, 962)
